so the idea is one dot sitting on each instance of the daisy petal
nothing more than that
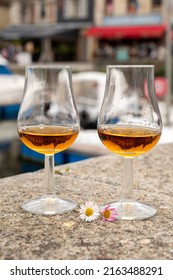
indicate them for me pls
(89, 211)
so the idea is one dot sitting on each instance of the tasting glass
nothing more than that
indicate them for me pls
(129, 125)
(48, 123)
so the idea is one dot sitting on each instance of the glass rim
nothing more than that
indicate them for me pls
(131, 66)
(48, 66)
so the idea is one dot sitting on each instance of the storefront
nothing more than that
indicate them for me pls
(128, 39)
(57, 42)
(54, 27)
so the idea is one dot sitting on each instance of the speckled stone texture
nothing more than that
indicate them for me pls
(28, 236)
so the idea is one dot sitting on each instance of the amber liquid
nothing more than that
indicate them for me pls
(47, 139)
(129, 141)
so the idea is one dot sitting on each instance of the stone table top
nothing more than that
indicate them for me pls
(65, 237)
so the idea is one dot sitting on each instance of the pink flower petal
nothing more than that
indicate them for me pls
(112, 213)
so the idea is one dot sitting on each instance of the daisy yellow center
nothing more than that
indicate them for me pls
(107, 214)
(89, 212)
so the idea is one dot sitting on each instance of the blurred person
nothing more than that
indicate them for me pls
(29, 48)
(143, 50)
(152, 50)
(24, 56)
(133, 51)
(161, 53)
(4, 53)
(107, 50)
(9, 52)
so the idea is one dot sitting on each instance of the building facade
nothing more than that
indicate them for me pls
(90, 30)
(49, 11)
(4, 13)
(128, 30)
(55, 26)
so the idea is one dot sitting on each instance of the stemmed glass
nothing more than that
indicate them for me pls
(129, 125)
(48, 123)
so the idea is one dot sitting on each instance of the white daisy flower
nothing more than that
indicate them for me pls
(89, 211)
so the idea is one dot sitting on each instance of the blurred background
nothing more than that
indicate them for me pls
(88, 35)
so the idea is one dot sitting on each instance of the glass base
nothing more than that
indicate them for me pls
(132, 210)
(49, 205)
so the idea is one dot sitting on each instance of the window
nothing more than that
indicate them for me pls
(156, 5)
(75, 9)
(156, 2)
(32, 13)
(132, 6)
(83, 9)
(23, 10)
(108, 7)
(42, 10)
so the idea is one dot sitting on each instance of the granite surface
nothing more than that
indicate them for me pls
(28, 236)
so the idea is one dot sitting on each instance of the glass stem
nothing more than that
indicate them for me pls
(127, 192)
(49, 175)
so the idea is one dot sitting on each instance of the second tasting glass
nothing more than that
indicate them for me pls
(129, 125)
(48, 123)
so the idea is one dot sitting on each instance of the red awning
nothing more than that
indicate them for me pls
(148, 31)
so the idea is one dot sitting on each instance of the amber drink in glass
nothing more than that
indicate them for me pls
(129, 125)
(48, 123)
